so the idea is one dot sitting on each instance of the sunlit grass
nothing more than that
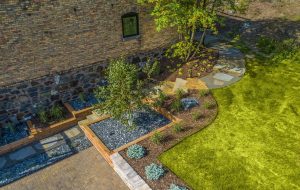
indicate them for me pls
(255, 141)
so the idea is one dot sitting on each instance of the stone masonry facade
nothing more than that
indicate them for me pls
(51, 50)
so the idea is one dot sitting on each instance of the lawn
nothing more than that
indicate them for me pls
(254, 143)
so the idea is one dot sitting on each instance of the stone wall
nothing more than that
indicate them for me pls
(43, 39)
(28, 96)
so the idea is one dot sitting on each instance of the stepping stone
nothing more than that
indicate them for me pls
(48, 142)
(2, 162)
(231, 52)
(180, 84)
(223, 77)
(22, 153)
(237, 70)
(218, 83)
(70, 133)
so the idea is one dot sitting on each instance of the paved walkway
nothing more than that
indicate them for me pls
(86, 170)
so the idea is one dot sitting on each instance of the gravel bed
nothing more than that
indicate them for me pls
(114, 134)
(42, 160)
(17, 132)
(78, 104)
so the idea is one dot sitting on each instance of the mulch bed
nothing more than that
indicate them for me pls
(200, 66)
(171, 138)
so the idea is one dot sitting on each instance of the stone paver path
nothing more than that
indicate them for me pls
(86, 170)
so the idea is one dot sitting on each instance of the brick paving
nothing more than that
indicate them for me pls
(86, 170)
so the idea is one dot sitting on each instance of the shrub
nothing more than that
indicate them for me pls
(176, 187)
(157, 137)
(160, 99)
(178, 127)
(203, 92)
(43, 117)
(154, 171)
(209, 105)
(82, 97)
(180, 93)
(56, 112)
(197, 115)
(136, 151)
(176, 106)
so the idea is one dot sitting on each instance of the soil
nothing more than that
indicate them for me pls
(190, 126)
(170, 69)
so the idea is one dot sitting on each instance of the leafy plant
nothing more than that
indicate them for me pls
(151, 70)
(197, 115)
(203, 92)
(124, 92)
(56, 112)
(176, 106)
(82, 97)
(154, 171)
(10, 126)
(209, 105)
(136, 151)
(179, 94)
(162, 97)
(178, 127)
(43, 116)
(157, 137)
(177, 187)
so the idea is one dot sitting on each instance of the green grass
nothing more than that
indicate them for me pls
(254, 143)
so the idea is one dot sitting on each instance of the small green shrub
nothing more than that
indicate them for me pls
(157, 137)
(160, 99)
(136, 151)
(178, 127)
(203, 92)
(11, 127)
(266, 45)
(56, 112)
(209, 105)
(154, 171)
(82, 97)
(179, 94)
(176, 106)
(43, 116)
(197, 115)
(177, 187)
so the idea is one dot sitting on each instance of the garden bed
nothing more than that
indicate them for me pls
(200, 66)
(189, 127)
(114, 134)
(12, 133)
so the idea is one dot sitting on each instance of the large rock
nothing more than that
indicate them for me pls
(189, 103)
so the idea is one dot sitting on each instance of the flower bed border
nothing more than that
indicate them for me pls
(38, 134)
(102, 148)
(80, 114)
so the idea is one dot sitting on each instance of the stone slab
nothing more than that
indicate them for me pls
(22, 153)
(48, 142)
(2, 162)
(73, 132)
(218, 82)
(180, 84)
(223, 77)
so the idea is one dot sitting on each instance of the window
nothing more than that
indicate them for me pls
(130, 24)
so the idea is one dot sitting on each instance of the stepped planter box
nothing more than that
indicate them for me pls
(38, 130)
(82, 107)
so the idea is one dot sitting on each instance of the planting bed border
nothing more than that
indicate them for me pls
(80, 114)
(38, 134)
(102, 148)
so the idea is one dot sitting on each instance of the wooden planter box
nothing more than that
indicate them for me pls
(40, 133)
(80, 114)
(106, 152)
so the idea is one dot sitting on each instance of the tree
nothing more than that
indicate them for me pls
(186, 16)
(124, 92)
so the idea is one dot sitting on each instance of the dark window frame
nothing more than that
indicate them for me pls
(127, 15)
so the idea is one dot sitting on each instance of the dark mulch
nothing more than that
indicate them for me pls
(170, 69)
(171, 138)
